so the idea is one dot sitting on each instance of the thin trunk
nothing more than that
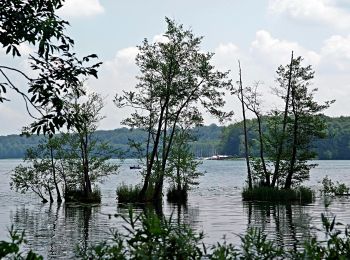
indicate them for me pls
(280, 147)
(266, 173)
(151, 160)
(250, 182)
(84, 151)
(178, 177)
(50, 193)
(157, 196)
(58, 193)
(288, 183)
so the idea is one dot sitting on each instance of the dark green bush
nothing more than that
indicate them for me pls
(130, 194)
(275, 195)
(80, 196)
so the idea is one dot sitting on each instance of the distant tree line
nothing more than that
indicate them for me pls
(336, 145)
(210, 140)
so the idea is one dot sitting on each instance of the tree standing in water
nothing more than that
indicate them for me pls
(176, 77)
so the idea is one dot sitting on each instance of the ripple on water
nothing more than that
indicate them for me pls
(215, 207)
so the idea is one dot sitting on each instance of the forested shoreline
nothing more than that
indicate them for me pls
(210, 140)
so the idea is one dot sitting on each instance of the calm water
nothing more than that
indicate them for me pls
(215, 207)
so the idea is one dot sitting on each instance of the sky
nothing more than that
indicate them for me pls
(260, 33)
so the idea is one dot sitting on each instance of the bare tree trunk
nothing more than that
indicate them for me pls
(152, 157)
(250, 182)
(280, 147)
(85, 157)
(288, 183)
(58, 193)
(50, 193)
(266, 173)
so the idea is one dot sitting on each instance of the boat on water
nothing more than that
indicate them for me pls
(135, 167)
(219, 157)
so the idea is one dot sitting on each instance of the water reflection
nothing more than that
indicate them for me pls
(289, 225)
(55, 230)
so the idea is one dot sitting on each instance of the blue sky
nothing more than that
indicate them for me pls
(261, 33)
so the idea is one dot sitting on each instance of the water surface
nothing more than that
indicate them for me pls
(215, 207)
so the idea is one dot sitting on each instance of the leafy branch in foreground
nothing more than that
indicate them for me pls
(11, 250)
(55, 68)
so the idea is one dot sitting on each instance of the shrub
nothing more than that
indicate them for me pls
(300, 194)
(330, 187)
(80, 196)
(11, 250)
(128, 193)
(149, 237)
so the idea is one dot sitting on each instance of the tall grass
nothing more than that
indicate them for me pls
(275, 195)
(128, 193)
(80, 196)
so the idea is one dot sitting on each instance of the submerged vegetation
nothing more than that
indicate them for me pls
(331, 188)
(128, 193)
(275, 195)
(177, 83)
(285, 143)
(75, 161)
(148, 236)
(177, 79)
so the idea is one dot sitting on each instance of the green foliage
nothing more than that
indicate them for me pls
(148, 237)
(336, 245)
(71, 195)
(269, 194)
(58, 70)
(128, 193)
(224, 251)
(176, 80)
(255, 245)
(182, 167)
(208, 140)
(329, 187)
(76, 160)
(11, 250)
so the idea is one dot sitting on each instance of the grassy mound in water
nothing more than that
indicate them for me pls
(80, 196)
(268, 194)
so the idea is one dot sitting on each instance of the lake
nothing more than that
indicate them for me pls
(214, 207)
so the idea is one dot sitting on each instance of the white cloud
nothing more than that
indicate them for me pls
(276, 51)
(336, 50)
(115, 76)
(319, 11)
(160, 38)
(126, 56)
(81, 8)
(226, 55)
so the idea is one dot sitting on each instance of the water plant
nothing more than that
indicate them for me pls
(262, 193)
(331, 188)
(148, 236)
(128, 193)
(11, 250)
